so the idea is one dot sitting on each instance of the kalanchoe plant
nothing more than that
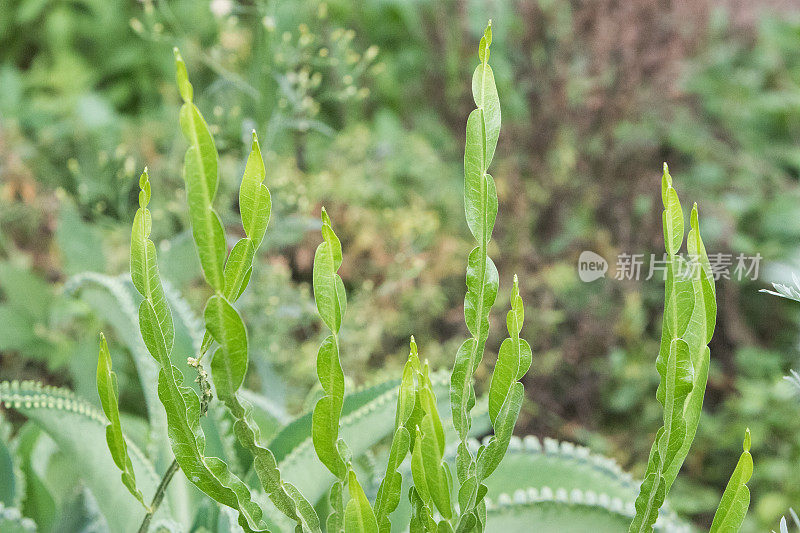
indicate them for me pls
(259, 471)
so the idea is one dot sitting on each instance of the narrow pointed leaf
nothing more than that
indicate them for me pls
(255, 203)
(736, 498)
(200, 172)
(358, 516)
(108, 390)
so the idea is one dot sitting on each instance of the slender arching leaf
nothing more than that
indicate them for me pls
(736, 498)
(200, 172)
(143, 271)
(431, 447)
(108, 390)
(703, 319)
(329, 293)
(325, 420)
(484, 92)
(331, 300)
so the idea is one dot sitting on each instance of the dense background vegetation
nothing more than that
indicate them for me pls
(361, 106)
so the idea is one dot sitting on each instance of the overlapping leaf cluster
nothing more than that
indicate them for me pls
(223, 323)
(418, 433)
(682, 363)
(331, 299)
(182, 405)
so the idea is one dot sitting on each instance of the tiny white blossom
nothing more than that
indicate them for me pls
(221, 8)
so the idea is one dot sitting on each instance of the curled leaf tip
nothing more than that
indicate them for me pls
(693, 219)
(184, 86)
(486, 41)
(144, 186)
(326, 219)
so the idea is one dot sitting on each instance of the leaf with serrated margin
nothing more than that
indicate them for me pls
(78, 428)
(255, 202)
(109, 399)
(736, 498)
(358, 516)
(200, 172)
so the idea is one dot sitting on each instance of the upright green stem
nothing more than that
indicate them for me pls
(158, 497)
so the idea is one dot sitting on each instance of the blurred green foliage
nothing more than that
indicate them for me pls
(360, 106)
